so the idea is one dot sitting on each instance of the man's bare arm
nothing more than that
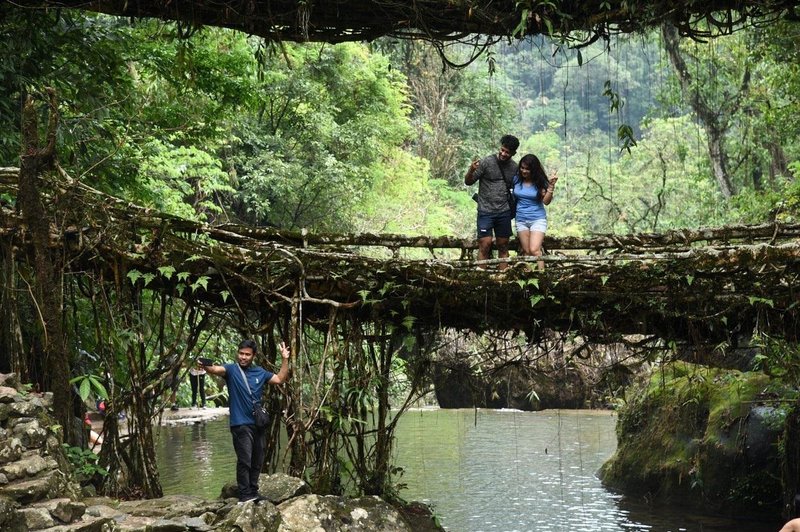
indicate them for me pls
(283, 374)
(469, 177)
(219, 371)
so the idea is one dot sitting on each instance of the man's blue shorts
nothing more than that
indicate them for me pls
(499, 222)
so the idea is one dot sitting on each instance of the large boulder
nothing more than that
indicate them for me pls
(520, 386)
(526, 388)
(456, 386)
(281, 487)
(700, 437)
(261, 516)
(330, 513)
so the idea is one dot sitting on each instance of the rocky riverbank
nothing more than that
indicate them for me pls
(706, 438)
(38, 490)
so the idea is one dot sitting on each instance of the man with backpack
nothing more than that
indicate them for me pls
(245, 384)
(495, 174)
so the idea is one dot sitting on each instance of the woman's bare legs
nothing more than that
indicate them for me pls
(536, 239)
(525, 242)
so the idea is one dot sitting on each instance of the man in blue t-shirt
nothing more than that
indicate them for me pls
(248, 439)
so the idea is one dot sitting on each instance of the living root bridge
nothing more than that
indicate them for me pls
(440, 20)
(679, 285)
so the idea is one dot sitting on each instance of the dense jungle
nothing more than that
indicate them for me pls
(648, 132)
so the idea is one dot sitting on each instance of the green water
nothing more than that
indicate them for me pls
(488, 470)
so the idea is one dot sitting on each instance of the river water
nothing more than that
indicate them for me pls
(484, 470)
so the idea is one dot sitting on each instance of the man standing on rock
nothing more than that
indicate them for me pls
(245, 384)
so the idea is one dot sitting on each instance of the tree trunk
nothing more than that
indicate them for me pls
(48, 266)
(296, 410)
(380, 477)
(715, 130)
(778, 167)
(11, 344)
(716, 152)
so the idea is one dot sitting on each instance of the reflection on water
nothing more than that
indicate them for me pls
(196, 459)
(482, 470)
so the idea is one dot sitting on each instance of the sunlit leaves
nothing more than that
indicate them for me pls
(89, 384)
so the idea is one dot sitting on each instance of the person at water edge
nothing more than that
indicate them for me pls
(197, 378)
(533, 190)
(495, 173)
(248, 439)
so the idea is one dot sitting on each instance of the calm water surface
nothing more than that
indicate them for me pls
(482, 471)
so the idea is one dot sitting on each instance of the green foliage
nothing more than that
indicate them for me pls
(789, 211)
(84, 461)
(185, 181)
(323, 132)
(220, 126)
(88, 384)
(779, 359)
(407, 201)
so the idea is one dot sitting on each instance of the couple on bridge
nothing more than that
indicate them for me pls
(507, 190)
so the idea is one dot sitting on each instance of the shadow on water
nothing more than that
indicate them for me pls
(484, 470)
(675, 518)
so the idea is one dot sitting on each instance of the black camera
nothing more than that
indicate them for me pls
(203, 361)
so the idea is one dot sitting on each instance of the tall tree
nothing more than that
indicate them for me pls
(715, 104)
(35, 162)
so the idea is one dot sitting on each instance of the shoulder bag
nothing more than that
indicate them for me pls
(260, 413)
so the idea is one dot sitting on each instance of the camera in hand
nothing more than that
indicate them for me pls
(203, 361)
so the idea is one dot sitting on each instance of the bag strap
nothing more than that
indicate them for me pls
(244, 378)
(509, 184)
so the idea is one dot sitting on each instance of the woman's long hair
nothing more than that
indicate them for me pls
(537, 173)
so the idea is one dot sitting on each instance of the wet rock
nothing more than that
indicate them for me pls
(10, 380)
(458, 385)
(65, 510)
(259, 516)
(11, 450)
(419, 517)
(281, 487)
(27, 491)
(337, 514)
(7, 510)
(28, 465)
(8, 395)
(230, 491)
(36, 518)
(764, 427)
(696, 436)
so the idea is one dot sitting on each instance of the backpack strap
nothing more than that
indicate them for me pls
(509, 182)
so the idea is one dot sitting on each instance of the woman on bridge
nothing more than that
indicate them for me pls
(533, 191)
